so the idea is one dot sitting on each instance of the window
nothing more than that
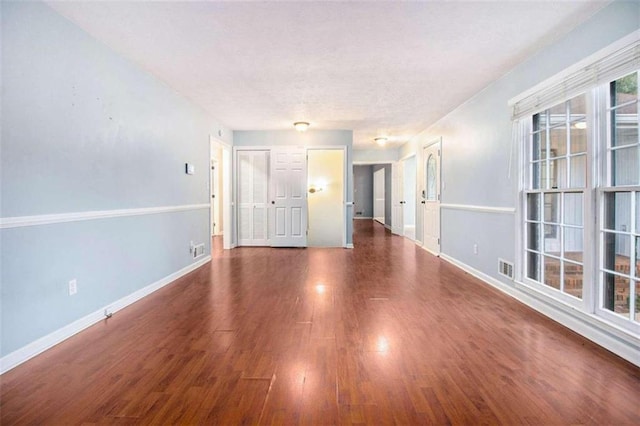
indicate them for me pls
(580, 211)
(620, 199)
(431, 178)
(555, 197)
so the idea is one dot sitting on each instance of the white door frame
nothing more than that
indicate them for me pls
(214, 197)
(416, 196)
(438, 142)
(397, 198)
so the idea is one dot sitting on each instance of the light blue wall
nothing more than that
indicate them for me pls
(479, 166)
(85, 130)
(310, 138)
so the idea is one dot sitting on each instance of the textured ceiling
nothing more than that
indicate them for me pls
(377, 68)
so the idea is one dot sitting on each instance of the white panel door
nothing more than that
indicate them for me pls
(431, 198)
(253, 173)
(378, 196)
(288, 182)
(397, 202)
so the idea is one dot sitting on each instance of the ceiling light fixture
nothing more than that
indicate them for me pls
(380, 141)
(301, 126)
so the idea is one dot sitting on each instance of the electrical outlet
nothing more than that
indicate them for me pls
(73, 287)
(475, 249)
(191, 247)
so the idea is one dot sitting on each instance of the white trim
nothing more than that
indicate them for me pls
(406, 157)
(557, 78)
(437, 140)
(29, 351)
(485, 209)
(349, 246)
(605, 334)
(48, 219)
(610, 63)
(372, 163)
(362, 217)
(436, 254)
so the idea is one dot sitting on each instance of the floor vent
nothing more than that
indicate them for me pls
(505, 268)
(198, 250)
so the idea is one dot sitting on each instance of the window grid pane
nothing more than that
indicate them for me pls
(620, 265)
(624, 140)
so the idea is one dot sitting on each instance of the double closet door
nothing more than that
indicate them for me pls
(272, 198)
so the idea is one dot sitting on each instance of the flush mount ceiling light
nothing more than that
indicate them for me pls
(380, 141)
(301, 126)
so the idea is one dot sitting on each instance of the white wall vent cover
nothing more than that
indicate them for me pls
(505, 268)
(198, 250)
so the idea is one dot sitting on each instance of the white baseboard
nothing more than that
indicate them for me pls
(349, 246)
(363, 217)
(605, 334)
(29, 351)
(450, 259)
(409, 232)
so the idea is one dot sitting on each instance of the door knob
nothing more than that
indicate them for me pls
(422, 202)
(273, 202)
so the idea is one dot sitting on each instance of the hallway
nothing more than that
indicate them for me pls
(381, 334)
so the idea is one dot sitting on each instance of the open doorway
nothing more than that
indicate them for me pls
(219, 193)
(379, 195)
(326, 197)
(363, 191)
(373, 192)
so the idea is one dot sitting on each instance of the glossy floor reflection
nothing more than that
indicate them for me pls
(381, 334)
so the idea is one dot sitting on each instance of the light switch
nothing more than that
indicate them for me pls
(189, 168)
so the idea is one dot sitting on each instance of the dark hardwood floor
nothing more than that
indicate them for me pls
(384, 333)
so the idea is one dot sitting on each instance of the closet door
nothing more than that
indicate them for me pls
(288, 180)
(253, 174)
(397, 198)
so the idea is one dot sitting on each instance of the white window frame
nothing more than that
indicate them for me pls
(586, 302)
(595, 85)
(605, 179)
